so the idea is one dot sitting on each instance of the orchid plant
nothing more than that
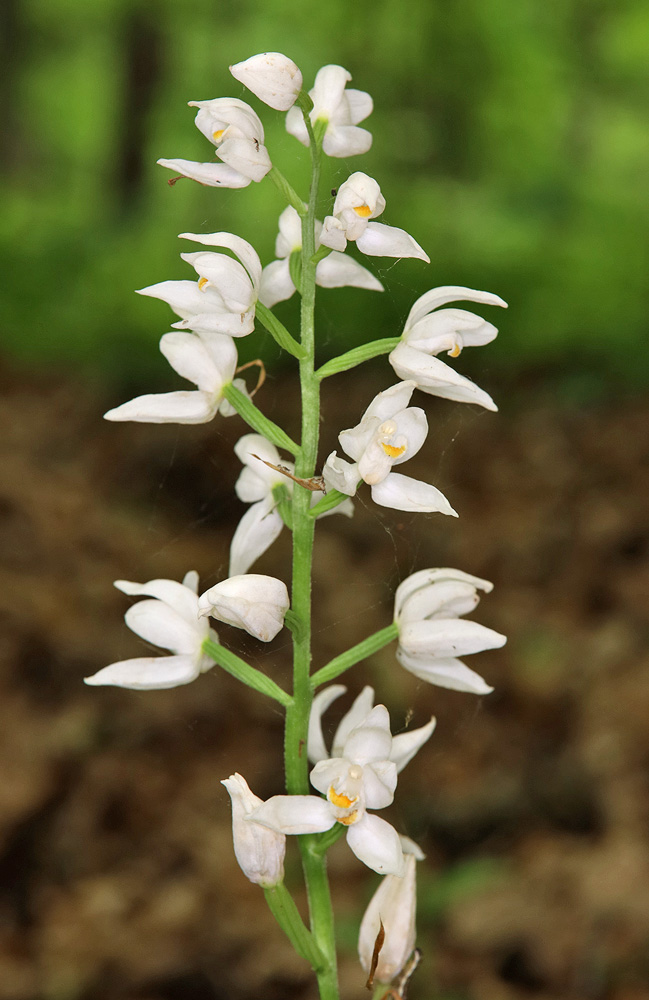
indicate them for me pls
(328, 792)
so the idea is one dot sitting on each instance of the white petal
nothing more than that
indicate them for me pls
(346, 140)
(406, 745)
(328, 89)
(403, 493)
(339, 271)
(243, 250)
(448, 637)
(426, 581)
(411, 424)
(316, 746)
(185, 297)
(276, 283)
(289, 237)
(435, 377)
(148, 673)
(379, 784)
(376, 844)
(360, 103)
(188, 355)
(167, 408)
(449, 673)
(333, 773)
(295, 814)
(253, 450)
(437, 297)
(228, 276)
(448, 329)
(179, 596)
(380, 240)
(223, 112)
(341, 475)
(256, 532)
(250, 601)
(272, 77)
(333, 234)
(371, 740)
(390, 402)
(246, 156)
(158, 623)
(295, 126)
(361, 708)
(210, 174)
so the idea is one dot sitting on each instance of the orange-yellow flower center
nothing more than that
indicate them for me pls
(202, 282)
(457, 350)
(339, 800)
(392, 451)
(363, 210)
(348, 820)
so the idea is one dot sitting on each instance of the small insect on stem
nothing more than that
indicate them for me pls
(316, 483)
(378, 944)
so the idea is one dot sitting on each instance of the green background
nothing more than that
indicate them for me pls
(510, 139)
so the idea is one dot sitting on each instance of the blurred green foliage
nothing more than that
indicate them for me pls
(510, 138)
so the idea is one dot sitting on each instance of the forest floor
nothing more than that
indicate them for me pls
(117, 876)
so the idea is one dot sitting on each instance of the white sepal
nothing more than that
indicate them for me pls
(436, 378)
(209, 174)
(208, 359)
(251, 601)
(170, 621)
(259, 850)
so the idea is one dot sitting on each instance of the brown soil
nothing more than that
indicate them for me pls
(118, 880)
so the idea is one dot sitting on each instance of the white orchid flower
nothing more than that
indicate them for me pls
(250, 601)
(358, 201)
(429, 330)
(427, 609)
(238, 135)
(394, 907)
(335, 271)
(170, 621)
(342, 109)
(390, 432)
(363, 777)
(259, 851)
(262, 523)
(272, 77)
(223, 298)
(404, 745)
(208, 360)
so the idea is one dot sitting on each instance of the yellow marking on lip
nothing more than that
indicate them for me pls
(341, 801)
(202, 282)
(349, 820)
(217, 135)
(457, 350)
(363, 210)
(393, 452)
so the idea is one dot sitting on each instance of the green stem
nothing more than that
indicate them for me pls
(233, 664)
(256, 419)
(290, 194)
(297, 714)
(357, 356)
(359, 652)
(282, 906)
(278, 331)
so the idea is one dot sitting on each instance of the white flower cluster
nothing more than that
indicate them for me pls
(221, 304)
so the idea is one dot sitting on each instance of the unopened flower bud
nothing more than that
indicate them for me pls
(272, 77)
(251, 601)
(394, 905)
(259, 851)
